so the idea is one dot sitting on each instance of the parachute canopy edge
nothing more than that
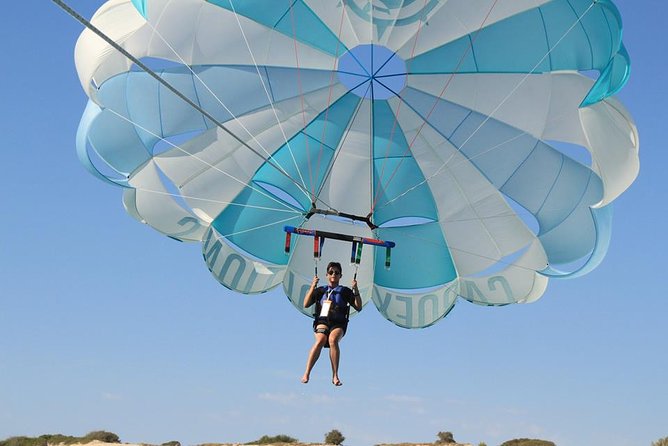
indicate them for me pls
(141, 6)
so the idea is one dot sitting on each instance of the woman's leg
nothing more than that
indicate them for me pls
(334, 353)
(314, 354)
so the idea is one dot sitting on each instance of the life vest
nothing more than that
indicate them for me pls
(339, 310)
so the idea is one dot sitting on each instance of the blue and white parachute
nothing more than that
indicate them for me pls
(481, 136)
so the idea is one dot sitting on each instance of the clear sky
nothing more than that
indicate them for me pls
(105, 324)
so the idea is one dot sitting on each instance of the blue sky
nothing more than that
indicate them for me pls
(105, 324)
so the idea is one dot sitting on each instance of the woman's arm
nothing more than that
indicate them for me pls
(357, 299)
(309, 299)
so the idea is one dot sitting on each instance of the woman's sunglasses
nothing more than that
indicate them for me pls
(332, 272)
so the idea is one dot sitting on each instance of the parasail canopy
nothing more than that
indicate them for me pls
(481, 136)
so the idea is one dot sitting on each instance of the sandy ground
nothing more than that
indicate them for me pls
(101, 443)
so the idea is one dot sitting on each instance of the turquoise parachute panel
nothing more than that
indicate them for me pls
(292, 18)
(560, 35)
(246, 225)
(388, 139)
(395, 171)
(596, 24)
(297, 159)
(392, 204)
(306, 157)
(452, 57)
(611, 80)
(423, 262)
(559, 18)
(523, 32)
(329, 127)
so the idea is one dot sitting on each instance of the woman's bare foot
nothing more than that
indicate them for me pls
(304, 379)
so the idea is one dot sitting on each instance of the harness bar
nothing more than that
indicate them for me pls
(366, 219)
(320, 236)
(337, 236)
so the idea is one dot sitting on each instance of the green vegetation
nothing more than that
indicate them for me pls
(661, 442)
(53, 439)
(527, 442)
(266, 439)
(445, 438)
(107, 437)
(334, 437)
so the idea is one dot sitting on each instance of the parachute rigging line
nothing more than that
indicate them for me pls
(244, 231)
(388, 146)
(301, 97)
(488, 117)
(329, 98)
(169, 86)
(236, 119)
(343, 141)
(445, 165)
(445, 87)
(289, 208)
(271, 103)
(209, 200)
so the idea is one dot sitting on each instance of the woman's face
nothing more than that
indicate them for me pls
(333, 276)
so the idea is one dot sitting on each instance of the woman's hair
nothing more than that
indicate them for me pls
(336, 265)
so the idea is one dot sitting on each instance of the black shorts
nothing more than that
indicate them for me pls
(331, 325)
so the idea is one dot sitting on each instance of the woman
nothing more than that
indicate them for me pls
(333, 303)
